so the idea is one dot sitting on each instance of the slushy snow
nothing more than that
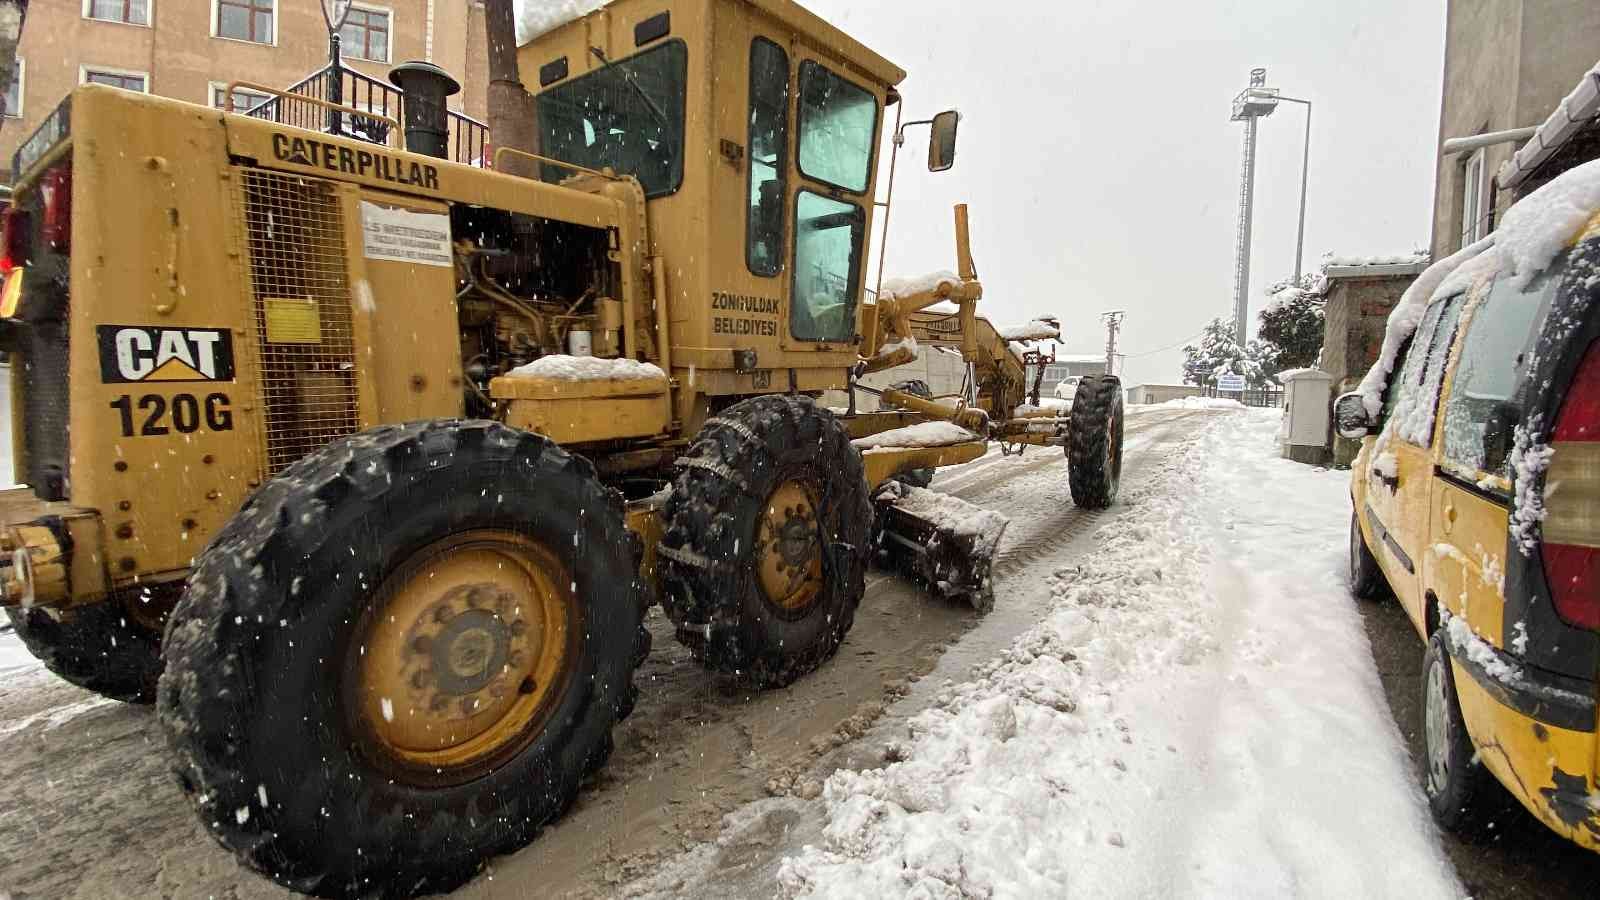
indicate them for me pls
(1177, 724)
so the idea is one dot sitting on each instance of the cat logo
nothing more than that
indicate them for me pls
(135, 353)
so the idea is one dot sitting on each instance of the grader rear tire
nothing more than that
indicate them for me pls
(103, 647)
(402, 657)
(1094, 442)
(767, 539)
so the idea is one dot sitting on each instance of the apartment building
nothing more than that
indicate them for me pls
(191, 49)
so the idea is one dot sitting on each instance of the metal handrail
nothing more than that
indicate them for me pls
(316, 101)
(546, 159)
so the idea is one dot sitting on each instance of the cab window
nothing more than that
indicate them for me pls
(769, 116)
(1424, 372)
(1483, 408)
(827, 268)
(837, 123)
(627, 115)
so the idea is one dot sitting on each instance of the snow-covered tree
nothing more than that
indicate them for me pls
(1292, 323)
(1218, 353)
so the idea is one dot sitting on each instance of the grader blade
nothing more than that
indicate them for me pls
(942, 541)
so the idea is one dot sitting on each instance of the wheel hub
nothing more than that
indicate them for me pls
(462, 648)
(1435, 725)
(789, 546)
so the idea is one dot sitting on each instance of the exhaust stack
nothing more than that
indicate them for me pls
(427, 117)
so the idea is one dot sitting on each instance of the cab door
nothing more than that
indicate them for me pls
(1400, 473)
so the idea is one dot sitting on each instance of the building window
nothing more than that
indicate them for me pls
(1475, 200)
(365, 34)
(14, 93)
(243, 100)
(246, 20)
(128, 81)
(133, 12)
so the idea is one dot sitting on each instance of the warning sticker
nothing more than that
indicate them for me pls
(405, 235)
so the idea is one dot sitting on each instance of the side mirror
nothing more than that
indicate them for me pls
(1350, 417)
(942, 143)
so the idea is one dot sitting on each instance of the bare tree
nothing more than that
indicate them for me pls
(512, 116)
(12, 14)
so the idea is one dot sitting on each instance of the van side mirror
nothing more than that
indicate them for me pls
(942, 143)
(1350, 416)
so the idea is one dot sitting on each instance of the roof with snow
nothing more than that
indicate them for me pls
(1376, 269)
(1575, 114)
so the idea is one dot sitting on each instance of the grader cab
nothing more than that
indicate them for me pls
(364, 464)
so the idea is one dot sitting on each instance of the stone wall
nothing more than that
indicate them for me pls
(1355, 313)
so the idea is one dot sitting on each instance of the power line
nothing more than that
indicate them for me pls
(1163, 349)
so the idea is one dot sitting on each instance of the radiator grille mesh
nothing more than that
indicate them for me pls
(294, 237)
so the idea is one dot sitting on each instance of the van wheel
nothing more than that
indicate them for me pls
(1458, 786)
(1367, 581)
(767, 539)
(402, 657)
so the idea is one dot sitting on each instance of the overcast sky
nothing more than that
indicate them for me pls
(1102, 171)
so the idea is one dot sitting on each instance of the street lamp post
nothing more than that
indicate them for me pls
(1305, 175)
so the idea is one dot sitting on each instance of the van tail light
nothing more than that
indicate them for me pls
(1572, 500)
(13, 239)
(56, 190)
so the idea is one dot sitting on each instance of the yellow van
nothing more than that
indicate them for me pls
(1476, 503)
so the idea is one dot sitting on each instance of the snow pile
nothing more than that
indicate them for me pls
(1047, 405)
(587, 368)
(951, 514)
(929, 283)
(1530, 456)
(1204, 403)
(923, 434)
(1177, 725)
(1037, 330)
(907, 342)
(535, 17)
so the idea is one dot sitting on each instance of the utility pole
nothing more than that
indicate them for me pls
(1113, 320)
(1253, 102)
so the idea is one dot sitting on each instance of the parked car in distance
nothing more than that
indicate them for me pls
(1476, 503)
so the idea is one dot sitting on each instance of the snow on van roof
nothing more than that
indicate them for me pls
(1533, 232)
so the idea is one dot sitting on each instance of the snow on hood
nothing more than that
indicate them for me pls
(587, 368)
(1037, 330)
(903, 287)
(924, 434)
(535, 17)
(1532, 233)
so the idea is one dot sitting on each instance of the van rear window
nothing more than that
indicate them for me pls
(1486, 396)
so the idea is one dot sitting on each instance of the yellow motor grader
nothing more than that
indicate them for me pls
(364, 464)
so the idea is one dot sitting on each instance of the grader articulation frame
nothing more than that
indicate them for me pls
(364, 465)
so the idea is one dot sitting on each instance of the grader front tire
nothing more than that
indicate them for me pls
(402, 657)
(767, 538)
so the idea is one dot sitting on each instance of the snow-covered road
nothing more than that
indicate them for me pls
(90, 781)
(1194, 714)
